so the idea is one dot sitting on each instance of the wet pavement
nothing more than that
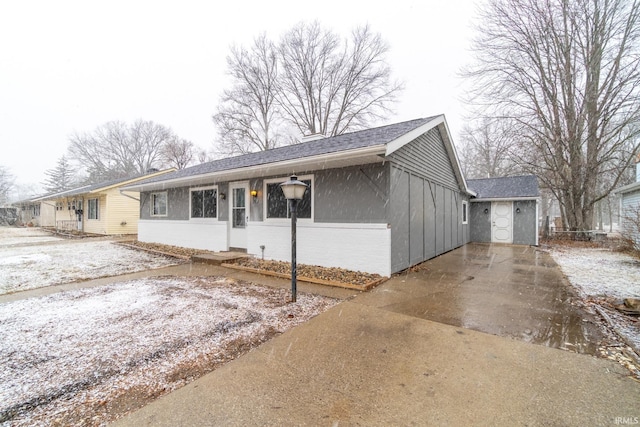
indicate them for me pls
(510, 291)
(406, 354)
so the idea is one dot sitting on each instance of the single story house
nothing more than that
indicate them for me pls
(379, 200)
(505, 210)
(35, 213)
(630, 208)
(102, 208)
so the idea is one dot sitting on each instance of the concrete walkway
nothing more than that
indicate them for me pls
(369, 362)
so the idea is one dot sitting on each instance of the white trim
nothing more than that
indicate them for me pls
(345, 158)
(265, 203)
(537, 221)
(465, 212)
(506, 199)
(208, 187)
(166, 207)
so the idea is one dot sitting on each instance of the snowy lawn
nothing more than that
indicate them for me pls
(29, 267)
(86, 356)
(24, 236)
(604, 278)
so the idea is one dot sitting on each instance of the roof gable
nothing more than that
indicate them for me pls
(510, 187)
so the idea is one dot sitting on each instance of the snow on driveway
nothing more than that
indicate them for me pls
(20, 236)
(29, 267)
(86, 349)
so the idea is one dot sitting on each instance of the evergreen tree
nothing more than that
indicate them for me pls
(61, 178)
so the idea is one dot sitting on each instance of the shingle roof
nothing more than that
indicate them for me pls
(91, 187)
(506, 187)
(348, 141)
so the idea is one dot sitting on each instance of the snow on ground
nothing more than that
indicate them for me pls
(29, 267)
(600, 272)
(605, 278)
(87, 348)
(20, 236)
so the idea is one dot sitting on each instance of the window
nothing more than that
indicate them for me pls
(464, 212)
(93, 209)
(204, 203)
(159, 204)
(277, 205)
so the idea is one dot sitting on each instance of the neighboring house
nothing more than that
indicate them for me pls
(35, 213)
(99, 208)
(630, 209)
(379, 200)
(505, 210)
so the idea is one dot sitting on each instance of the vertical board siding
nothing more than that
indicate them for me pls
(399, 219)
(524, 223)
(480, 221)
(429, 220)
(416, 220)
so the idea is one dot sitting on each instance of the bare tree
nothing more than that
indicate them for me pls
(6, 185)
(329, 86)
(61, 178)
(116, 150)
(486, 149)
(566, 74)
(311, 81)
(248, 114)
(178, 153)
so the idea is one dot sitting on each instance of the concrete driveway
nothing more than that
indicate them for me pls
(380, 359)
(511, 291)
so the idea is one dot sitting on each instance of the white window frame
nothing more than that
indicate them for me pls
(209, 187)
(152, 204)
(97, 218)
(465, 212)
(265, 204)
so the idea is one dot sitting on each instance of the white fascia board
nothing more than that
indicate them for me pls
(505, 199)
(400, 142)
(628, 188)
(287, 167)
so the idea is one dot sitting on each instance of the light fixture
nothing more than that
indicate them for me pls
(517, 210)
(254, 194)
(223, 196)
(486, 211)
(293, 191)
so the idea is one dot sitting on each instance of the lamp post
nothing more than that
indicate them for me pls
(293, 191)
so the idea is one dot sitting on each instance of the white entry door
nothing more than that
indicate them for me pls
(238, 214)
(502, 222)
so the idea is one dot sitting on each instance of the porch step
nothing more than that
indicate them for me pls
(218, 257)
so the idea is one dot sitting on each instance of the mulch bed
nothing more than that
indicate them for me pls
(331, 276)
(338, 277)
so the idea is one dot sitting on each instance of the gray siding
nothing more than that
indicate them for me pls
(425, 218)
(480, 222)
(427, 156)
(524, 222)
(630, 204)
(351, 195)
(177, 204)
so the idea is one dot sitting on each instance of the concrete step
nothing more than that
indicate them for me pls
(218, 257)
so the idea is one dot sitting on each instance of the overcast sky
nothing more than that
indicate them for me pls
(71, 66)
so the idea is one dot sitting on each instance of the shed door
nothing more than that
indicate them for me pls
(238, 215)
(501, 222)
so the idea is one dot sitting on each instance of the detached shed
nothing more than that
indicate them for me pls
(505, 210)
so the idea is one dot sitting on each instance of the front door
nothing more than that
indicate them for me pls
(501, 222)
(238, 214)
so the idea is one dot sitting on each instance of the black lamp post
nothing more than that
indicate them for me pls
(293, 191)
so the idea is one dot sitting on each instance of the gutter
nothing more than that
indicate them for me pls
(126, 195)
